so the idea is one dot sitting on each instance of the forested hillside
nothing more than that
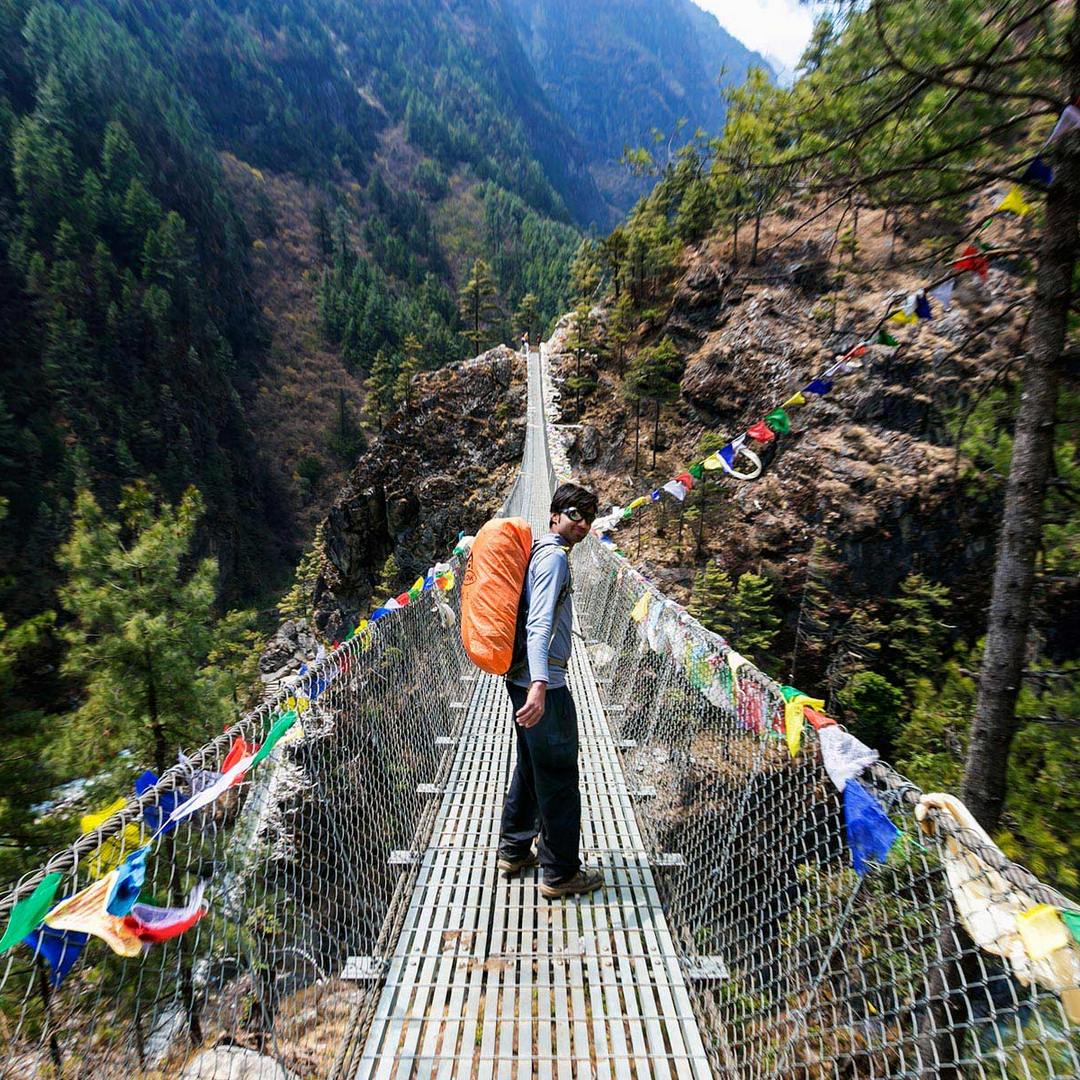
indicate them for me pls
(617, 72)
(231, 234)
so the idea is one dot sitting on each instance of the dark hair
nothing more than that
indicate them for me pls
(567, 495)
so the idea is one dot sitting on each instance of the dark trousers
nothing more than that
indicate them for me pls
(544, 797)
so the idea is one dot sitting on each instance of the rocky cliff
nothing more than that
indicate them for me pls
(441, 466)
(872, 467)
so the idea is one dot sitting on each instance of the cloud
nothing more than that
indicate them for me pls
(774, 28)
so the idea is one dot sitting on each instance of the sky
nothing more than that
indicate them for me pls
(774, 28)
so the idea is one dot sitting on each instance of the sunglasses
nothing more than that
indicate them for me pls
(574, 514)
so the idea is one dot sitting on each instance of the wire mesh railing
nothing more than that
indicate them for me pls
(291, 885)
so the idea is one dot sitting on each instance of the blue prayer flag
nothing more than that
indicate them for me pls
(1038, 171)
(870, 833)
(819, 386)
(61, 948)
(131, 874)
(156, 815)
(922, 307)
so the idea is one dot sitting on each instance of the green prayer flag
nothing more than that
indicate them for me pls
(778, 422)
(283, 723)
(789, 692)
(884, 338)
(1071, 919)
(626, 513)
(697, 471)
(27, 914)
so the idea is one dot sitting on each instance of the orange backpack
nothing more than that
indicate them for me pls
(491, 592)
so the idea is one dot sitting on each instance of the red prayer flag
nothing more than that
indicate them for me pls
(403, 599)
(972, 260)
(686, 480)
(817, 720)
(761, 432)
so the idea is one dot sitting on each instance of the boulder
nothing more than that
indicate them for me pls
(233, 1063)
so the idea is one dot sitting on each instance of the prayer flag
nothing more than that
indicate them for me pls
(60, 948)
(655, 495)
(379, 613)
(281, 725)
(1068, 121)
(111, 850)
(1039, 172)
(673, 487)
(627, 513)
(1013, 203)
(86, 913)
(972, 259)
(761, 432)
(870, 833)
(885, 338)
(922, 306)
(778, 421)
(697, 471)
(641, 608)
(209, 794)
(855, 351)
(130, 876)
(943, 293)
(160, 924)
(1071, 919)
(237, 752)
(1041, 931)
(28, 912)
(794, 401)
(686, 480)
(818, 720)
(156, 814)
(819, 386)
(403, 599)
(902, 318)
(794, 703)
(714, 461)
(843, 756)
(641, 500)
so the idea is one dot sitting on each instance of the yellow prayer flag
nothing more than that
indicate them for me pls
(641, 500)
(641, 608)
(713, 462)
(902, 318)
(795, 400)
(1042, 931)
(794, 719)
(1013, 202)
(109, 854)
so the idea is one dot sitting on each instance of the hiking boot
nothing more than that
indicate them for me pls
(584, 881)
(510, 865)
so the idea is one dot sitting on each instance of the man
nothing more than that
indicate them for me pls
(544, 797)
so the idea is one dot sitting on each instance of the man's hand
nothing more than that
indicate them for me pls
(530, 713)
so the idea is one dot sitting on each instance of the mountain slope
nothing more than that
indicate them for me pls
(616, 69)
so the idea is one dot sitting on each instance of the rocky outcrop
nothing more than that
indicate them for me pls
(443, 466)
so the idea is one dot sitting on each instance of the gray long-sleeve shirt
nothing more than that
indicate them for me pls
(548, 632)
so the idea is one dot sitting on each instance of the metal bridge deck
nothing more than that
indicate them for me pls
(488, 979)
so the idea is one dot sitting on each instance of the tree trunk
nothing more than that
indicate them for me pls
(701, 522)
(656, 432)
(994, 723)
(735, 243)
(757, 234)
(637, 432)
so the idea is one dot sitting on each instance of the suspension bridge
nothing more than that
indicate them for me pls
(356, 925)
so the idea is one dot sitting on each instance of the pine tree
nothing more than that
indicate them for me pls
(389, 583)
(916, 633)
(297, 603)
(410, 366)
(620, 328)
(379, 389)
(141, 629)
(754, 623)
(477, 304)
(710, 599)
(527, 318)
(654, 375)
(580, 341)
(872, 709)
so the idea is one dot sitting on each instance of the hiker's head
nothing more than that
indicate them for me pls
(573, 510)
